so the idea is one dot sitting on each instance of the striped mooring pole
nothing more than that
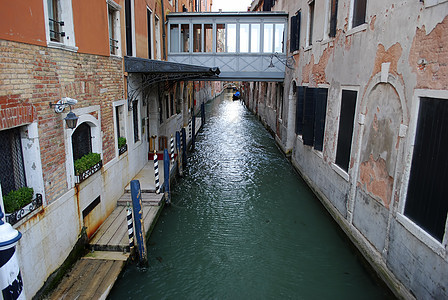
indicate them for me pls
(184, 148)
(166, 173)
(11, 284)
(193, 128)
(203, 113)
(179, 157)
(156, 172)
(130, 229)
(136, 196)
(172, 149)
(189, 130)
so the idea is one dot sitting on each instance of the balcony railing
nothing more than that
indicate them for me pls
(18, 215)
(123, 149)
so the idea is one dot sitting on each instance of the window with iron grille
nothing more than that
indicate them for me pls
(54, 20)
(114, 25)
(426, 203)
(81, 141)
(135, 119)
(12, 171)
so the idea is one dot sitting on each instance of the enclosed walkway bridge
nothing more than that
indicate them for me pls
(249, 46)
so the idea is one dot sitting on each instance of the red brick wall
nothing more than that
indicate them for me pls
(32, 76)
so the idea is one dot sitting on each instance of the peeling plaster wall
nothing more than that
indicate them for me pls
(403, 46)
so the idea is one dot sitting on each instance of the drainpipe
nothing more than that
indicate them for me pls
(163, 31)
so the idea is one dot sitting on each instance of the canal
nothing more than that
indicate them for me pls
(244, 225)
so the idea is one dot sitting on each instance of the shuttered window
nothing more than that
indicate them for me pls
(135, 119)
(333, 18)
(310, 115)
(320, 110)
(345, 132)
(295, 32)
(426, 202)
(128, 20)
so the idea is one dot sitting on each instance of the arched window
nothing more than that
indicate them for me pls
(81, 141)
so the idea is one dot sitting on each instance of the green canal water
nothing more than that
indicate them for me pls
(244, 225)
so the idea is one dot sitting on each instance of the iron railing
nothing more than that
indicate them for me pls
(86, 174)
(18, 215)
(123, 149)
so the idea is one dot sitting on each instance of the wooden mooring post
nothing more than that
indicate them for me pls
(138, 222)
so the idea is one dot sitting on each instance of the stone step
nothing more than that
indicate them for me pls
(147, 199)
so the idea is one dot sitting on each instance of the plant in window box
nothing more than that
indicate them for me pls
(87, 165)
(19, 203)
(122, 146)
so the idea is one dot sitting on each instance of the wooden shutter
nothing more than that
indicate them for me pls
(320, 110)
(299, 20)
(333, 17)
(426, 202)
(299, 109)
(308, 117)
(345, 132)
(293, 33)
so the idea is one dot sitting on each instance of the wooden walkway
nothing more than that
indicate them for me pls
(93, 276)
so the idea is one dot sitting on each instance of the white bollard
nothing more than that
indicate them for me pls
(11, 284)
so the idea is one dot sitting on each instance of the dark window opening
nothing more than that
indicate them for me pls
(345, 132)
(172, 104)
(128, 17)
(359, 12)
(167, 106)
(117, 116)
(160, 110)
(81, 141)
(148, 18)
(135, 119)
(12, 170)
(295, 32)
(426, 202)
(333, 18)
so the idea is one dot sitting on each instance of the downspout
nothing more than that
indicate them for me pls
(163, 31)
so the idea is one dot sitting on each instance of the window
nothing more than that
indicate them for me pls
(332, 16)
(81, 141)
(359, 12)
(167, 106)
(426, 203)
(174, 38)
(185, 37)
(12, 170)
(268, 37)
(295, 32)
(114, 27)
(54, 21)
(119, 115)
(255, 38)
(157, 29)
(310, 23)
(220, 37)
(128, 17)
(345, 131)
(279, 38)
(172, 104)
(310, 115)
(148, 21)
(135, 120)
(208, 37)
(244, 38)
(231, 38)
(197, 38)
(279, 90)
(160, 111)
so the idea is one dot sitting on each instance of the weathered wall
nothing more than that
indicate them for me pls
(401, 48)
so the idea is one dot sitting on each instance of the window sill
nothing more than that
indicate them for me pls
(318, 153)
(328, 41)
(340, 172)
(117, 56)
(422, 235)
(62, 46)
(359, 28)
(308, 48)
(431, 3)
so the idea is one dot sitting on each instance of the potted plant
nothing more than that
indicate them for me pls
(87, 165)
(17, 199)
(122, 146)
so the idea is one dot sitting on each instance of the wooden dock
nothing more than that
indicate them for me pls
(93, 276)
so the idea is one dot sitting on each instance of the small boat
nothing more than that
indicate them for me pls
(236, 96)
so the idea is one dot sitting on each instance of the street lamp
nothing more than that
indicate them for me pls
(71, 119)
(288, 61)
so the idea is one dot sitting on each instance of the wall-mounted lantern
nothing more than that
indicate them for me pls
(71, 119)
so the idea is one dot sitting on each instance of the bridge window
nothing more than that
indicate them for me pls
(279, 34)
(220, 37)
(174, 38)
(208, 37)
(268, 37)
(231, 38)
(255, 38)
(197, 38)
(244, 38)
(185, 37)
